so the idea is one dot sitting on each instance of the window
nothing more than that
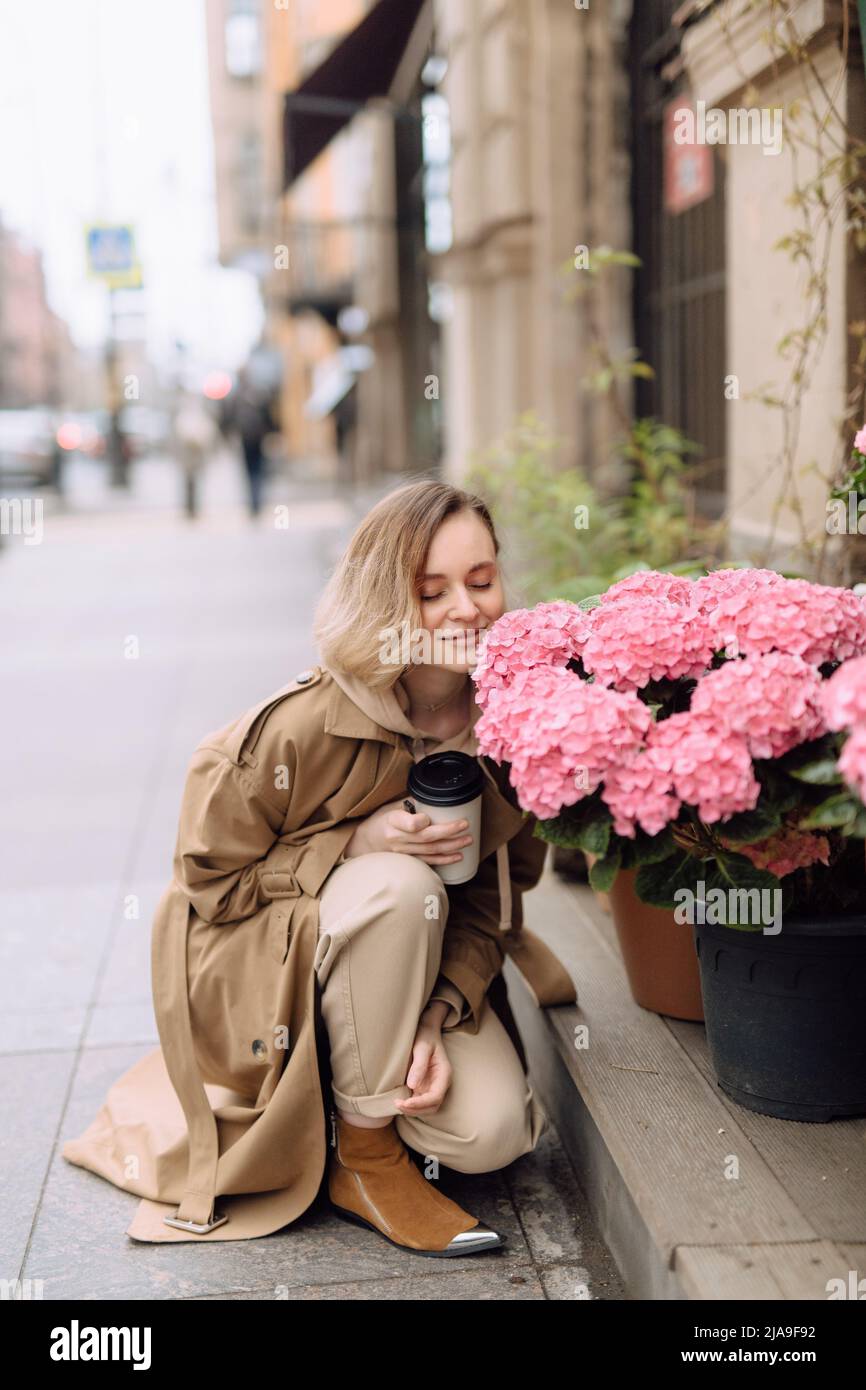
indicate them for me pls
(679, 301)
(243, 39)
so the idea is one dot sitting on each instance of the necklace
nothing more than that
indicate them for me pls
(431, 708)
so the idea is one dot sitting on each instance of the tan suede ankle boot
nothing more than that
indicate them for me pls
(372, 1181)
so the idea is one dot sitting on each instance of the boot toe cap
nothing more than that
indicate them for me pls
(481, 1237)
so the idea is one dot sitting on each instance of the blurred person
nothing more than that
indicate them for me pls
(57, 462)
(119, 449)
(195, 435)
(248, 410)
(345, 415)
(307, 956)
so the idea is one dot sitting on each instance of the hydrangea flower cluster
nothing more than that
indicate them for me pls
(638, 794)
(547, 635)
(644, 638)
(774, 701)
(719, 584)
(651, 584)
(852, 761)
(786, 851)
(815, 621)
(843, 696)
(560, 734)
(687, 758)
(843, 700)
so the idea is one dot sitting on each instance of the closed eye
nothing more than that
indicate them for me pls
(427, 598)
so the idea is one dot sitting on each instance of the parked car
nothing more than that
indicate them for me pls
(27, 446)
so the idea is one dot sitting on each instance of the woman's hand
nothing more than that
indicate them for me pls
(430, 1072)
(393, 828)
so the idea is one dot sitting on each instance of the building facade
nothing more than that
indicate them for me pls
(561, 138)
(344, 235)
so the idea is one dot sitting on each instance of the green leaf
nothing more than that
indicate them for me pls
(823, 772)
(584, 825)
(656, 883)
(836, 810)
(595, 838)
(749, 826)
(652, 849)
(553, 833)
(736, 871)
(779, 789)
(604, 871)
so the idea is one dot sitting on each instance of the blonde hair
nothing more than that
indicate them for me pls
(374, 583)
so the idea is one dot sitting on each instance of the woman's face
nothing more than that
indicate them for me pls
(460, 589)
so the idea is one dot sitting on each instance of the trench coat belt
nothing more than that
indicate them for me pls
(171, 1005)
(503, 868)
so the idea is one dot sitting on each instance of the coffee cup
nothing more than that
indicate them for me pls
(449, 786)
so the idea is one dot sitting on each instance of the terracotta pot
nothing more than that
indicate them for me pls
(658, 952)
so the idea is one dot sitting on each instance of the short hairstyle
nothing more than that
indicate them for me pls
(375, 582)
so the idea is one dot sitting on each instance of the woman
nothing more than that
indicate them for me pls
(307, 954)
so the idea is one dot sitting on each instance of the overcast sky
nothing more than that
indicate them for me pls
(104, 114)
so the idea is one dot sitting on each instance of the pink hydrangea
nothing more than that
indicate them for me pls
(560, 734)
(852, 761)
(644, 639)
(815, 621)
(860, 440)
(709, 769)
(687, 759)
(727, 583)
(547, 635)
(782, 853)
(843, 696)
(650, 584)
(638, 793)
(774, 701)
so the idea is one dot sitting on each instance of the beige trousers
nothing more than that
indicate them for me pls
(381, 924)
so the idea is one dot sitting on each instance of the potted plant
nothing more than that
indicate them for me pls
(680, 731)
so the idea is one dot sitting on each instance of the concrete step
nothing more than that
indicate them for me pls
(696, 1197)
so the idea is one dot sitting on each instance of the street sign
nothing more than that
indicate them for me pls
(688, 166)
(110, 250)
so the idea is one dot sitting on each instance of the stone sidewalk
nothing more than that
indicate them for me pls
(94, 750)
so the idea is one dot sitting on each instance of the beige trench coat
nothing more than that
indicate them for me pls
(227, 1117)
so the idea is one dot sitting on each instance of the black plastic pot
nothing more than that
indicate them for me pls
(786, 1016)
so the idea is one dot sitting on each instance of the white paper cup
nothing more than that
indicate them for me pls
(449, 786)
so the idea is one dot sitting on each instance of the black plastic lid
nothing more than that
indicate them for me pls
(446, 779)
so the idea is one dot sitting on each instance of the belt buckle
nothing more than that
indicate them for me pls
(197, 1228)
